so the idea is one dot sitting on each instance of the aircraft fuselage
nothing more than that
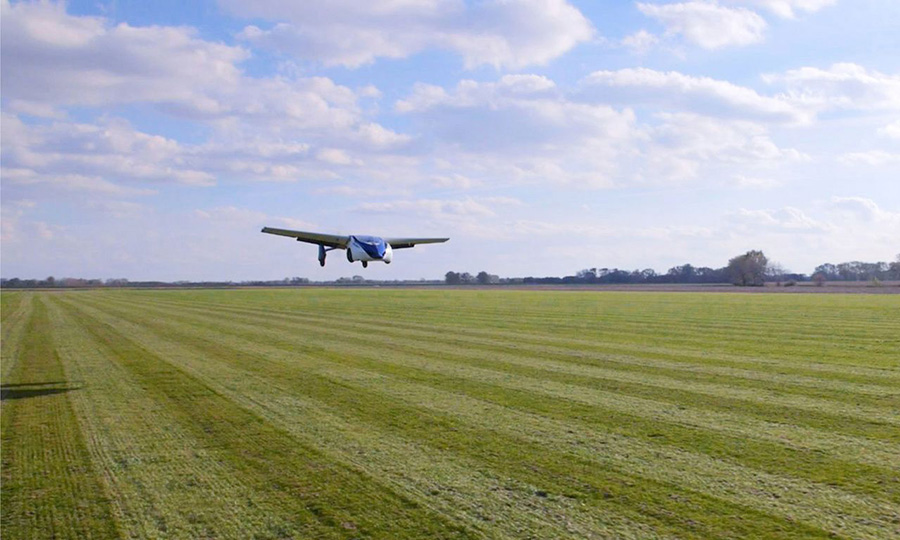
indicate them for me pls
(369, 248)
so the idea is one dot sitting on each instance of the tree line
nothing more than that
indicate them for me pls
(752, 268)
(749, 269)
(859, 271)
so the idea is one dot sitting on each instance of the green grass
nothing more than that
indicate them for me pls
(449, 414)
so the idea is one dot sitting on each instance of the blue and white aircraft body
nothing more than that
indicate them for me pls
(359, 248)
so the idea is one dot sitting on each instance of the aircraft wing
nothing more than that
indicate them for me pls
(401, 243)
(328, 240)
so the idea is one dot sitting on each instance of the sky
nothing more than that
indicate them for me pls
(153, 140)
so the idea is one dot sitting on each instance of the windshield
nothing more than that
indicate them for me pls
(373, 245)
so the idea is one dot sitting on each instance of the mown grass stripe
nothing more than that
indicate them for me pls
(532, 399)
(502, 506)
(631, 411)
(325, 498)
(810, 507)
(16, 312)
(609, 314)
(881, 410)
(629, 394)
(815, 504)
(50, 488)
(887, 379)
(886, 396)
(563, 474)
(166, 482)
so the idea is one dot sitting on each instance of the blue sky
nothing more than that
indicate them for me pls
(152, 140)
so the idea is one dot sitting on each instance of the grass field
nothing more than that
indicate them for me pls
(372, 413)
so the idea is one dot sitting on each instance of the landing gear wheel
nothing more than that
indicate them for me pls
(365, 264)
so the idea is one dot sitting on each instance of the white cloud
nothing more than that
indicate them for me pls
(787, 8)
(707, 24)
(529, 228)
(431, 208)
(69, 182)
(90, 157)
(470, 93)
(787, 220)
(345, 190)
(891, 130)
(501, 33)
(20, 230)
(247, 219)
(865, 210)
(112, 155)
(117, 209)
(526, 105)
(522, 129)
(640, 42)
(453, 181)
(842, 86)
(525, 129)
(378, 137)
(875, 158)
(334, 156)
(52, 58)
(684, 145)
(233, 215)
(700, 94)
(10, 219)
(753, 182)
(844, 229)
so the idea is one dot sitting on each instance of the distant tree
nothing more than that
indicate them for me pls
(748, 269)
(819, 279)
(859, 271)
(358, 279)
(648, 275)
(467, 278)
(588, 275)
(705, 274)
(50, 281)
(895, 268)
(828, 270)
(452, 278)
(616, 276)
(775, 272)
(681, 274)
(484, 278)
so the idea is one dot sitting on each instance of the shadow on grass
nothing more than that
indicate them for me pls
(30, 390)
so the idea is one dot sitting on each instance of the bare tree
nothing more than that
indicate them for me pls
(775, 272)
